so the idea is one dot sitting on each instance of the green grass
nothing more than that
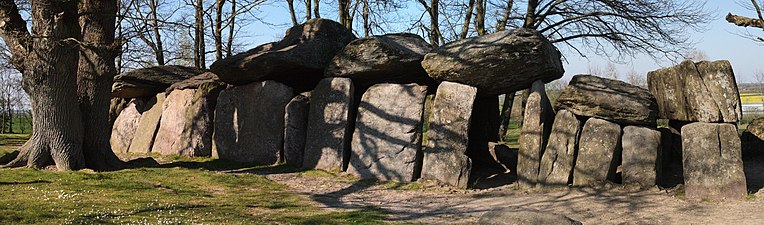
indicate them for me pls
(190, 192)
(10, 142)
(513, 134)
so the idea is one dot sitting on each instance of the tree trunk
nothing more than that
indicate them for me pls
(49, 76)
(315, 8)
(480, 17)
(467, 19)
(434, 27)
(231, 29)
(292, 14)
(95, 75)
(366, 23)
(344, 14)
(199, 51)
(308, 11)
(502, 24)
(218, 32)
(159, 52)
(530, 14)
(506, 115)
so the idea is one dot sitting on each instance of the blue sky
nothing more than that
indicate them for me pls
(719, 40)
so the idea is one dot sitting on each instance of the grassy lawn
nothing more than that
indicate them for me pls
(189, 191)
(10, 142)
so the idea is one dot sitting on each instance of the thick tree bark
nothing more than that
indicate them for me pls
(49, 74)
(199, 46)
(218, 32)
(95, 75)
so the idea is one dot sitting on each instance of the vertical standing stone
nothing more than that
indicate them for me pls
(123, 131)
(296, 129)
(148, 125)
(537, 125)
(713, 165)
(329, 128)
(641, 146)
(556, 165)
(173, 121)
(187, 121)
(444, 158)
(598, 152)
(249, 122)
(388, 135)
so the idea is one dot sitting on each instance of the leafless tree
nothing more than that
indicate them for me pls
(756, 21)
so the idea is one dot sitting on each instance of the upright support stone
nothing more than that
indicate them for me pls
(249, 122)
(444, 158)
(641, 146)
(388, 135)
(556, 166)
(187, 125)
(327, 145)
(537, 125)
(598, 152)
(713, 165)
(148, 125)
(123, 131)
(296, 129)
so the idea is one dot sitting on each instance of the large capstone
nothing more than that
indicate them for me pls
(386, 58)
(296, 129)
(148, 125)
(498, 63)
(187, 122)
(713, 164)
(598, 152)
(559, 155)
(537, 125)
(703, 91)
(150, 81)
(387, 139)
(612, 100)
(123, 131)
(449, 124)
(330, 122)
(641, 146)
(298, 60)
(249, 122)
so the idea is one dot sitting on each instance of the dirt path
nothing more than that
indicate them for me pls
(431, 203)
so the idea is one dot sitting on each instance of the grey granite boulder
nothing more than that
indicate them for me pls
(497, 63)
(249, 122)
(187, 125)
(148, 125)
(298, 60)
(387, 140)
(123, 131)
(151, 80)
(703, 91)
(537, 126)
(330, 125)
(449, 124)
(712, 160)
(641, 146)
(752, 139)
(296, 129)
(612, 100)
(556, 165)
(598, 153)
(386, 58)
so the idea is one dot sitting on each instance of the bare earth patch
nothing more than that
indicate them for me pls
(427, 202)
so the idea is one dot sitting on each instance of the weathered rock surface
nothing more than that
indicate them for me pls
(608, 99)
(249, 122)
(330, 122)
(556, 165)
(537, 126)
(641, 146)
(148, 125)
(703, 91)
(752, 140)
(296, 129)
(511, 216)
(298, 60)
(387, 58)
(444, 158)
(713, 165)
(123, 131)
(150, 81)
(387, 139)
(498, 63)
(187, 125)
(206, 78)
(598, 153)
(116, 106)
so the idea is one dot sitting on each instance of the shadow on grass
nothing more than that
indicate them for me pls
(26, 182)
(220, 165)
